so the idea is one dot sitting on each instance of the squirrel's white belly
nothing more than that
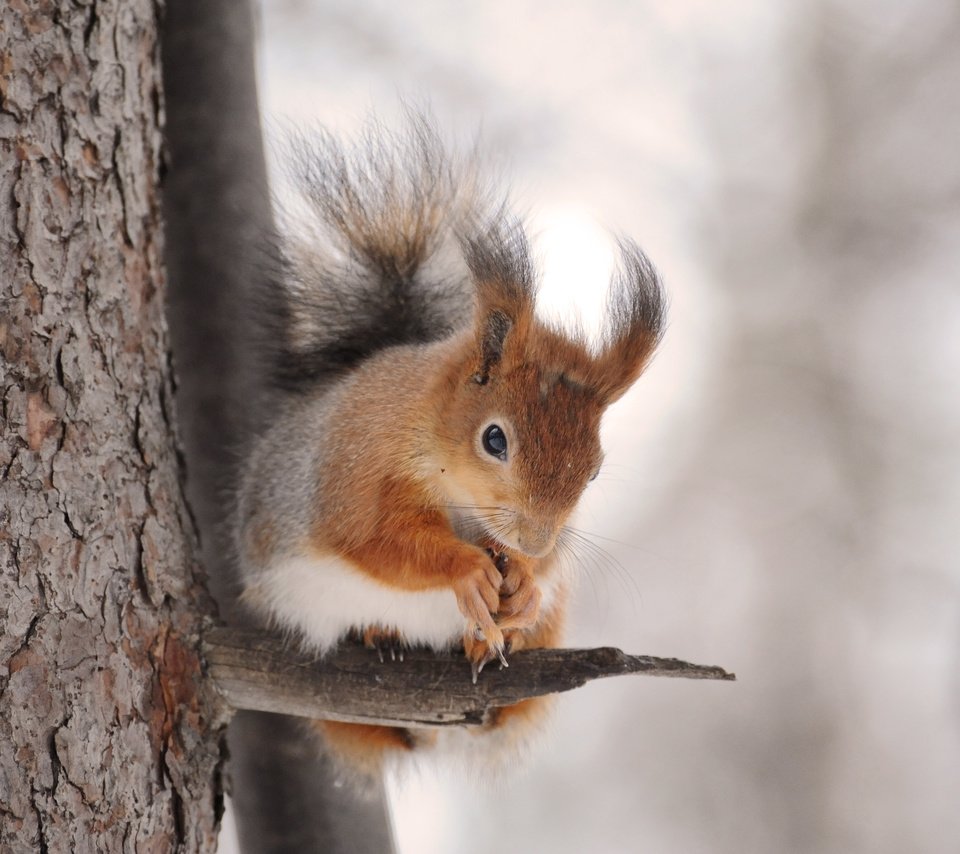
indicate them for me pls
(324, 598)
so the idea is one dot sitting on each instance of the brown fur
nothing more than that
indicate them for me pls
(381, 463)
(548, 392)
(365, 748)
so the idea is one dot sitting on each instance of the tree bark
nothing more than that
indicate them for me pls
(106, 738)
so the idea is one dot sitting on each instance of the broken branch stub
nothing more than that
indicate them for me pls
(258, 671)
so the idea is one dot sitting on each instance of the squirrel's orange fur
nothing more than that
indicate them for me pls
(415, 486)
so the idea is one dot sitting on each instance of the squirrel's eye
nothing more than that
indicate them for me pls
(495, 441)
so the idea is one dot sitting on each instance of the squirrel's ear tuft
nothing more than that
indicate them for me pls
(636, 318)
(505, 279)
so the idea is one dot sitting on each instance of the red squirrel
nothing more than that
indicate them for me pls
(433, 435)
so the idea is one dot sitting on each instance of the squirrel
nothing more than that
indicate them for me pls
(433, 434)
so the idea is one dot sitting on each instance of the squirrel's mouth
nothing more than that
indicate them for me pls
(504, 526)
(533, 540)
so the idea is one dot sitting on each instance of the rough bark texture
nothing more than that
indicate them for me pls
(105, 741)
(256, 670)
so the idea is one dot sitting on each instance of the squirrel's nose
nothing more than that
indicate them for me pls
(535, 539)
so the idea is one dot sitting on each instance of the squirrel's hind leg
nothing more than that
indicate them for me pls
(364, 750)
(386, 642)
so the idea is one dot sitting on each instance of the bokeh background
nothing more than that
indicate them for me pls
(781, 495)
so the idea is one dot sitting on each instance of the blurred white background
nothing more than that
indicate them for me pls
(781, 493)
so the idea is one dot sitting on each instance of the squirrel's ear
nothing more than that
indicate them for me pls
(636, 317)
(499, 259)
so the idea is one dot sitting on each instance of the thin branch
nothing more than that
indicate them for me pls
(255, 670)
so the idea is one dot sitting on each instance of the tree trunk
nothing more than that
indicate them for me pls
(106, 739)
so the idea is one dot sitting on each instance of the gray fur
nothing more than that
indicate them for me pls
(371, 258)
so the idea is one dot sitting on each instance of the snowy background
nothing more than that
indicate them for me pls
(782, 494)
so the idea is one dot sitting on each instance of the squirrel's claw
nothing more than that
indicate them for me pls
(395, 652)
(393, 646)
(384, 642)
(477, 665)
(480, 652)
(499, 649)
(475, 668)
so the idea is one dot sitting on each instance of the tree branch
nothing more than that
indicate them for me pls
(255, 670)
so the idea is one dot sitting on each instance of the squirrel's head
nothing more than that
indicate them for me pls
(523, 420)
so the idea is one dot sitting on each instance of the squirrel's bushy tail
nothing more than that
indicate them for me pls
(370, 248)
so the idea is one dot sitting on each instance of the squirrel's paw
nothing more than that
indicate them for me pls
(386, 642)
(519, 595)
(517, 609)
(478, 597)
(480, 652)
